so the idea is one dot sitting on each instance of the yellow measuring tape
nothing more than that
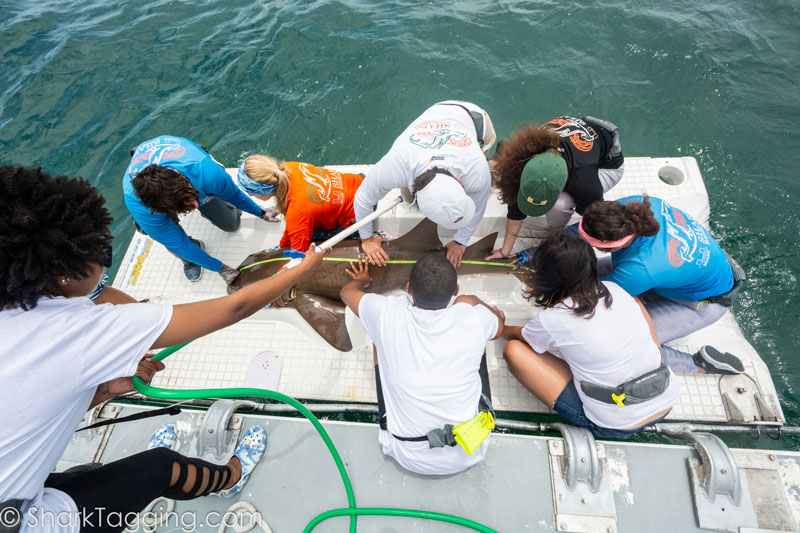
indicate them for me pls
(390, 262)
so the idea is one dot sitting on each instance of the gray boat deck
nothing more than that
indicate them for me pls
(647, 487)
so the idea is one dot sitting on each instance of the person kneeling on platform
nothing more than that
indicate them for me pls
(170, 176)
(434, 399)
(677, 269)
(611, 377)
(316, 201)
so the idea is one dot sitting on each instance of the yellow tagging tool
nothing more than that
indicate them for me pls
(618, 399)
(470, 435)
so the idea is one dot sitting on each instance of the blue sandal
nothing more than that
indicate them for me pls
(163, 437)
(250, 451)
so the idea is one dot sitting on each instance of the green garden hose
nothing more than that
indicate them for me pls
(352, 510)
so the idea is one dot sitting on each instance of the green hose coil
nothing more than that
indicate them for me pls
(351, 510)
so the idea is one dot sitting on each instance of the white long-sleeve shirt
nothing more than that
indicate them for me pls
(443, 136)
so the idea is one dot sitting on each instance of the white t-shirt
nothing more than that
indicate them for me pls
(429, 363)
(443, 136)
(53, 358)
(609, 349)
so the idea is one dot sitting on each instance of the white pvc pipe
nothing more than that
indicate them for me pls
(342, 235)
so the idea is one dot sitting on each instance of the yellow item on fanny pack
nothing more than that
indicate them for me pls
(471, 434)
(618, 399)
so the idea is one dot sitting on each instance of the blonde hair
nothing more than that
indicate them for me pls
(264, 169)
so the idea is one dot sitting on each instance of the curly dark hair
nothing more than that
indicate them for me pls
(48, 227)
(566, 267)
(164, 190)
(611, 221)
(526, 142)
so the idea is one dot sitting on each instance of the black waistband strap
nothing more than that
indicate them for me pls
(443, 436)
(477, 119)
(172, 410)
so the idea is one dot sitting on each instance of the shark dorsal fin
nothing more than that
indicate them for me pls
(480, 249)
(423, 238)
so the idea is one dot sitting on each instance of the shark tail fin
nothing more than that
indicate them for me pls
(327, 317)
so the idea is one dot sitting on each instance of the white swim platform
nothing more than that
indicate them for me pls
(312, 370)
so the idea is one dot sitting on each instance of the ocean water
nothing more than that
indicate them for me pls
(335, 81)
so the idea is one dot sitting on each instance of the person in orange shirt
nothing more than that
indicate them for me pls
(317, 202)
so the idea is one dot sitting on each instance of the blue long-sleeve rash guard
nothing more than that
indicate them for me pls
(204, 173)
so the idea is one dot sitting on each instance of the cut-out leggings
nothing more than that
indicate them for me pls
(130, 484)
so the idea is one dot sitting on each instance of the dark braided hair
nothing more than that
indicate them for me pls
(164, 190)
(566, 267)
(611, 221)
(48, 227)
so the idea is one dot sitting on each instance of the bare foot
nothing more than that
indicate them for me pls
(236, 472)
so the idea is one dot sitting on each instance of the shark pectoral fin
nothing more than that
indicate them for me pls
(480, 249)
(326, 316)
(423, 238)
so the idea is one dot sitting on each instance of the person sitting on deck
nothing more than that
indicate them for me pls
(676, 268)
(430, 362)
(317, 202)
(439, 162)
(169, 176)
(610, 377)
(62, 355)
(555, 170)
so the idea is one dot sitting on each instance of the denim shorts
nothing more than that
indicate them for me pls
(570, 407)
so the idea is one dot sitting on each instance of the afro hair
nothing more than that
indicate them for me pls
(48, 227)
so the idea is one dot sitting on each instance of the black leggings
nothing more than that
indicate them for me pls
(130, 484)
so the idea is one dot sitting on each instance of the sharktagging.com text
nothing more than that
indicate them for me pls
(239, 519)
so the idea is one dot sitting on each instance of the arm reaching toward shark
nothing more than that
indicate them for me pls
(193, 320)
(353, 291)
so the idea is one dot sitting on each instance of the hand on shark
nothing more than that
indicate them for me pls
(520, 258)
(373, 249)
(454, 252)
(360, 272)
(316, 297)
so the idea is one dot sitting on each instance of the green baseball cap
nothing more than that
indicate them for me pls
(543, 179)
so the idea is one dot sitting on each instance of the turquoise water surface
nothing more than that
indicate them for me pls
(334, 82)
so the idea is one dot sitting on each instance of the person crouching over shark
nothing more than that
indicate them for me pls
(432, 361)
(439, 162)
(317, 202)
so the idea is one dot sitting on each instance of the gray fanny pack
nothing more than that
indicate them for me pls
(615, 149)
(636, 390)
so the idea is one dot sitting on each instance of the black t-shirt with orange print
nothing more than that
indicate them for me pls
(585, 148)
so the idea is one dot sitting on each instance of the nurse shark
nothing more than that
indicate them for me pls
(316, 297)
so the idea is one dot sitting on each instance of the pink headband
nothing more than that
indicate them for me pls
(597, 243)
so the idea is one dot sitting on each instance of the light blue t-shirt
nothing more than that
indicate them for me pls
(204, 173)
(682, 261)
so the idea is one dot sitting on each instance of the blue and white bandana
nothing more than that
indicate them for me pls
(253, 187)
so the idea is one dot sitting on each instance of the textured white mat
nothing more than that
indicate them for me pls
(313, 370)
